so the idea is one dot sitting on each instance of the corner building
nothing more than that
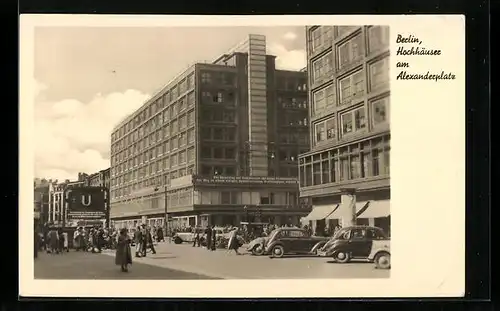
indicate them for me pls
(219, 144)
(346, 172)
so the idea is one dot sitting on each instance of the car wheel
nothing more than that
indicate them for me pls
(342, 257)
(258, 250)
(278, 251)
(383, 260)
(177, 240)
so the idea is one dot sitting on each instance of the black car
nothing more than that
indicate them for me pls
(284, 241)
(354, 242)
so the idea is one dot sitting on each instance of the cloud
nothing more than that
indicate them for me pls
(287, 59)
(72, 137)
(290, 36)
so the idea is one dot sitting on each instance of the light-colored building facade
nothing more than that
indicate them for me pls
(235, 117)
(345, 175)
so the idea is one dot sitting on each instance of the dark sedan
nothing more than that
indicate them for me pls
(284, 241)
(356, 242)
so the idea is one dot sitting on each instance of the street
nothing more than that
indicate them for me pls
(82, 265)
(186, 262)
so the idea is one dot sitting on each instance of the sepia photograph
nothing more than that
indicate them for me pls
(273, 156)
(192, 152)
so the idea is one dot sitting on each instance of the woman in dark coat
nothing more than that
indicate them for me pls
(123, 255)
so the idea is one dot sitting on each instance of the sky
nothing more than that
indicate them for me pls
(88, 79)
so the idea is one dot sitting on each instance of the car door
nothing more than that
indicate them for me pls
(298, 243)
(359, 245)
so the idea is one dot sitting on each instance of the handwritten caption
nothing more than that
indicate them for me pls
(411, 46)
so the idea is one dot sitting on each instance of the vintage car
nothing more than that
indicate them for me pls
(256, 246)
(188, 237)
(381, 254)
(284, 241)
(355, 242)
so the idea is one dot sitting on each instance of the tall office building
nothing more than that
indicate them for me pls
(345, 175)
(218, 144)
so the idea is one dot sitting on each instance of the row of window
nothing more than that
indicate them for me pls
(352, 87)
(291, 83)
(320, 38)
(246, 197)
(168, 97)
(166, 163)
(292, 102)
(294, 118)
(156, 181)
(217, 77)
(294, 137)
(173, 116)
(218, 115)
(347, 53)
(353, 120)
(367, 159)
(138, 151)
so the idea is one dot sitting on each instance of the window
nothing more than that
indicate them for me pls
(190, 136)
(325, 130)
(225, 197)
(352, 87)
(190, 81)
(320, 131)
(206, 152)
(378, 38)
(323, 99)
(321, 36)
(190, 99)
(218, 134)
(229, 153)
(190, 154)
(206, 77)
(296, 234)
(218, 98)
(316, 174)
(380, 111)
(379, 74)
(322, 67)
(350, 51)
(190, 117)
(182, 87)
(353, 121)
(218, 153)
(316, 38)
(342, 30)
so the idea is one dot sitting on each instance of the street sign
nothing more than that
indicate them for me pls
(86, 203)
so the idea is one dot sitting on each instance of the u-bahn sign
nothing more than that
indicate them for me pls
(86, 203)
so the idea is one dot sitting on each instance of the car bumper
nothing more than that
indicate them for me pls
(321, 253)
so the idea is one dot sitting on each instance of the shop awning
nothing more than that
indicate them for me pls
(320, 212)
(376, 209)
(337, 214)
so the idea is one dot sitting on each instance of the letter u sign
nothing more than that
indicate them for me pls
(88, 201)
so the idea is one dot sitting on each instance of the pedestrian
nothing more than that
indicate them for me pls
(123, 255)
(138, 237)
(233, 243)
(208, 233)
(196, 239)
(147, 242)
(159, 234)
(214, 239)
(36, 244)
(53, 241)
(65, 242)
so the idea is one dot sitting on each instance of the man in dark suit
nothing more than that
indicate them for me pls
(147, 241)
(208, 232)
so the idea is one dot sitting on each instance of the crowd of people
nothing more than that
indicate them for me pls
(143, 238)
